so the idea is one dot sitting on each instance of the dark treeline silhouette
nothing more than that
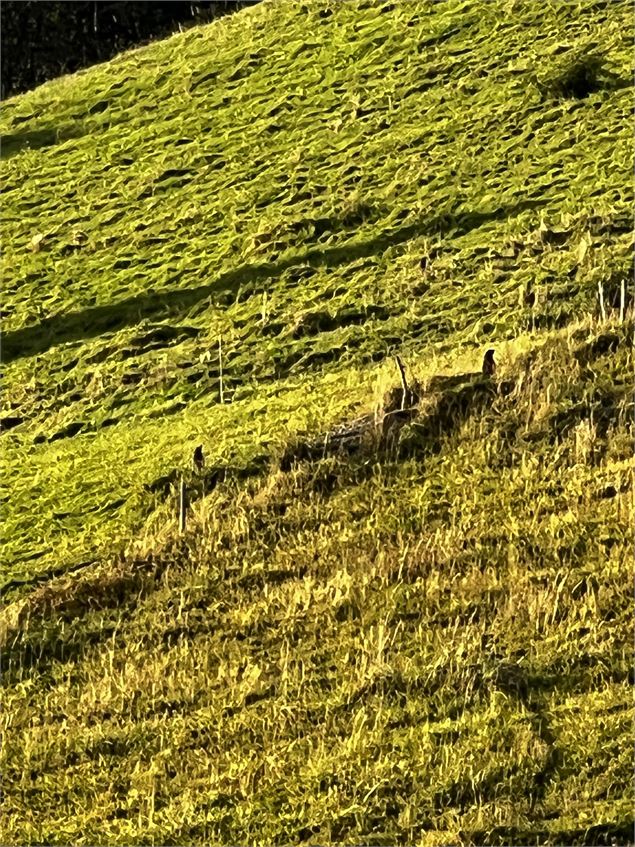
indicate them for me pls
(47, 38)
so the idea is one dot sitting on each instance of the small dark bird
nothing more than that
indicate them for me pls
(198, 460)
(489, 365)
(528, 295)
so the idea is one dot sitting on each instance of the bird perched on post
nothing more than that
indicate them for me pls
(198, 460)
(489, 365)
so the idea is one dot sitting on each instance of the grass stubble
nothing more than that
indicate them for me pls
(424, 638)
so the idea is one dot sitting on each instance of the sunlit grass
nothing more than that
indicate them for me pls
(425, 641)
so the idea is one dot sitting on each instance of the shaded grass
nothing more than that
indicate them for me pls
(424, 640)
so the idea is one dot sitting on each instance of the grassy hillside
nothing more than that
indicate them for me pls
(415, 633)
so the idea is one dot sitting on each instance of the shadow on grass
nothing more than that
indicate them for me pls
(38, 579)
(89, 323)
(452, 399)
(599, 834)
(34, 139)
(458, 396)
(11, 145)
(32, 640)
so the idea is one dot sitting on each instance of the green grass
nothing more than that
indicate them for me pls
(425, 641)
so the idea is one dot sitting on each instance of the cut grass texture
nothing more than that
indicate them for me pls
(421, 640)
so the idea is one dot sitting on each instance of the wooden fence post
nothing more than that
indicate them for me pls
(404, 382)
(220, 370)
(182, 506)
(622, 300)
(601, 296)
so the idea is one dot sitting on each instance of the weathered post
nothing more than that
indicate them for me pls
(404, 382)
(622, 299)
(601, 296)
(220, 370)
(182, 506)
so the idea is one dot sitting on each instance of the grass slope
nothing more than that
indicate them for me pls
(424, 641)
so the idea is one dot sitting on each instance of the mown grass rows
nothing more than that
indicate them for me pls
(424, 642)
(404, 136)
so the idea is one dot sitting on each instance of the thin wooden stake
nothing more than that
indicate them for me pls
(601, 295)
(182, 506)
(220, 369)
(622, 299)
(404, 381)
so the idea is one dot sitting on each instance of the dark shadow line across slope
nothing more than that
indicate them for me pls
(89, 323)
(11, 145)
(33, 139)
(31, 582)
